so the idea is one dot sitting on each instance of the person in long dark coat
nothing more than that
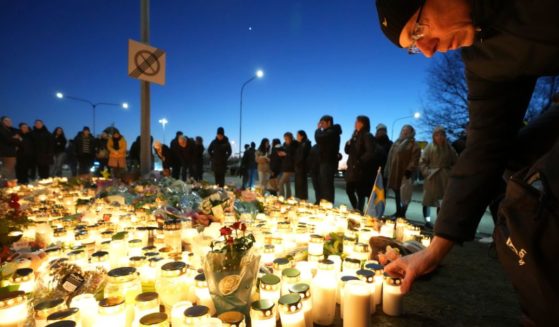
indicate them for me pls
(220, 151)
(86, 147)
(384, 144)
(313, 163)
(287, 154)
(361, 166)
(275, 166)
(301, 169)
(25, 155)
(9, 140)
(198, 158)
(183, 151)
(166, 155)
(43, 144)
(327, 137)
(59, 151)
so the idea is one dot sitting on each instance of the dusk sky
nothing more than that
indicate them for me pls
(319, 57)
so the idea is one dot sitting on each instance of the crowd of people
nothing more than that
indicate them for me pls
(281, 168)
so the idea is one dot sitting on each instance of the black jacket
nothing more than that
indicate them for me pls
(362, 163)
(183, 155)
(25, 148)
(134, 153)
(59, 144)
(520, 43)
(384, 144)
(288, 162)
(7, 143)
(302, 155)
(43, 144)
(275, 162)
(79, 146)
(219, 152)
(167, 157)
(198, 154)
(313, 161)
(328, 141)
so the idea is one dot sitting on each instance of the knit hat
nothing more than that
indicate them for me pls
(393, 16)
(381, 126)
(220, 131)
(85, 128)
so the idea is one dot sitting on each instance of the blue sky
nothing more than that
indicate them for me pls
(319, 57)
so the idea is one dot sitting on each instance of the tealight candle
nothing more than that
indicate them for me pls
(13, 309)
(291, 313)
(262, 313)
(324, 294)
(392, 297)
(145, 304)
(357, 302)
(88, 308)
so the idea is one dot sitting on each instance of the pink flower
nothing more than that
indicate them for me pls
(225, 231)
(243, 227)
(236, 225)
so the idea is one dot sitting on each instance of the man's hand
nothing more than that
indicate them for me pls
(420, 263)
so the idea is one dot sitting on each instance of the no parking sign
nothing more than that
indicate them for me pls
(146, 63)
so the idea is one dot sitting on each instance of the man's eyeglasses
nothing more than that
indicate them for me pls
(418, 32)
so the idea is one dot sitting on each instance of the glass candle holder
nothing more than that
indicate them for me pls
(232, 319)
(194, 315)
(78, 258)
(349, 243)
(88, 308)
(304, 290)
(156, 319)
(357, 304)
(392, 297)
(13, 309)
(268, 255)
(145, 303)
(365, 235)
(280, 264)
(72, 314)
(350, 266)
(124, 282)
(177, 313)
(270, 288)
(135, 248)
(172, 285)
(324, 294)
(368, 277)
(202, 293)
(289, 277)
(112, 312)
(379, 280)
(361, 252)
(340, 291)
(25, 277)
(387, 229)
(262, 313)
(44, 308)
(291, 311)
(100, 259)
(172, 232)
(118, 253)
(316, 245)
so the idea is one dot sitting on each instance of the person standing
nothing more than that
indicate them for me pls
(361, 163)
(301, 169)
(275, 166)
(436, 161)
(59, 151)
(198, 159)
(43, 145)
(252, 168)
(243, 168)
(384, 144)
(101, 152)
(9, 140)
(85, 146)
(327, 137)
(175, 170)
(314, 170)
(402, 162)
(220, 151)
(183, 154)
(117, 154)
(287, 154)
(25, 155)
(166, 156)
(263, 162)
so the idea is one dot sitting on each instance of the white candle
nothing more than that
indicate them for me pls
(357, 299)
(324, 294)
(289, 277)
(177, 313)
(202, 292)
(368, 277)
(270, 288)
(112, 312)
(291, 313)
(145, 304)
(340, 292)
(304, 291)
(316, 245)
(13, 312)
(262, 314)
(88, 308)
(392, 297)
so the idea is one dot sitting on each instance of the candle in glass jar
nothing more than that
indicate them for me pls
(44, 308)
(304, 290)
(316, 245)
(357, 303)
(71, 314)
(155, 319)
(289, 277)
(100, 259)
(145, 303)
(280, 264)
(392, 297)
(291, 311)
(368, 277)
(387, 229)
(25, 277)
(268, 255)
(88, 308)
(172, 232)
(172, 284)
(13, 309)
(349, 243)
(324, 294)
(112, 312)
(177, 313)
(350, 266)
(135, 248)
(118, 253)
(270, 288)
(262, 313)
(379, 280)
(361, 252)
(232, 319)
(194, 315)
(202, 292)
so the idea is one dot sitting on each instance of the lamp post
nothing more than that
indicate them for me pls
(416, 116)
(163, 122)
(259, 74)
(93, 105)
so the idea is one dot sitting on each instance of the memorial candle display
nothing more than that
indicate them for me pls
(145, 304)
(340, 291)
(44, 308)
(291, 311)
(13, 309)
(357, 304)
(304, 291)
(379, 280)
(112, 312)
(171, 284)
(324, 294)
(368, 277)
(262, 313)
(392, 297)
(88, 307)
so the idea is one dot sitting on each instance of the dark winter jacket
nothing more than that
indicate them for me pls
(249, 160)
(328, 141)
(518, 42)
(302, 155)
(198, 154)
(79, 145)
(59, 144)
(384, 144)
(134, 153)
(167, 157)
(184, 155)
(275, 162)
(25, 148)
(313, 161)
(43, 144)
(361, 163)
(219, 152)
(7, 143)
(288, 162)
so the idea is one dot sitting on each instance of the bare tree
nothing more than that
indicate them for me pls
(446, 102)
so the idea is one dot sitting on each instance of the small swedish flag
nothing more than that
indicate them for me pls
(377, 200)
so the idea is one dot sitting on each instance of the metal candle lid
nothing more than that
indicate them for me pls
(200, 281)
(291, 275)
(147, 300)
(374, 267)
(23, 275)
(304, 290)
(62, 323)
(11, 299)
(269, 248)
(269, 281)
(173, 269)
(366, 275)
(391, 280)
(264, 309)
(196, 311)
(123, 274)
(153, 319)
(45, 308)
(316, 239)
(352, 262)
(111, 302)
(138, 261)
(290, 303)
(281, 263)
(66, 314)
(100, 256)
(232, 318)
(326, 264)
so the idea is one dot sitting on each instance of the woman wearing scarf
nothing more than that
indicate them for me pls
(117, 154)
(435, 164)
(403, 160)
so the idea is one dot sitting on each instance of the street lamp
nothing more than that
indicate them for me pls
(416, 116)
(259, 74)
(93, 105)
(163, 122)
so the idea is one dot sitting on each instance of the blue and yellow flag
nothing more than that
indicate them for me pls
(377, 200)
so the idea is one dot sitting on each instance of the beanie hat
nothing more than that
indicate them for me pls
(381, 126)
(220, 131)
(85, 128)
(393, 16)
